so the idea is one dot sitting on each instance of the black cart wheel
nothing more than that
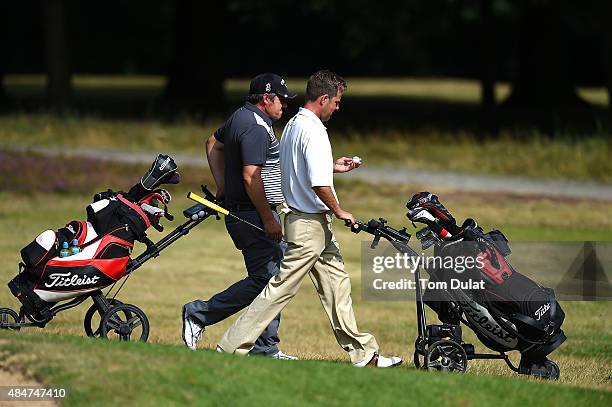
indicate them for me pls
(555, 371)
(9, 317)
(548, 371)
(91, 325)
(446, 356)
(125, 322)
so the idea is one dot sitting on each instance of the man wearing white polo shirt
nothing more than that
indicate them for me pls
(307, 168)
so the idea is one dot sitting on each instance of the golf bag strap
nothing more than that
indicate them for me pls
(507, 326)
(553, 306)
(129, 219)
(527, 320)
(135, 208)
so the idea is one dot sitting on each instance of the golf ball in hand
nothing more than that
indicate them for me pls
(357, 159)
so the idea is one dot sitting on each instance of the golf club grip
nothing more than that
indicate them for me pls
(207, 203)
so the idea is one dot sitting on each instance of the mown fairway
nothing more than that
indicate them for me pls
(205, 262)
(104, 373)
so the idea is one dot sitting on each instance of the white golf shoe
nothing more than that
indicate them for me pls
(380, 361)
(192, 332)
(283, 356)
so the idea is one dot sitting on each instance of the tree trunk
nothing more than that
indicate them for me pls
(487, 73)
(4, 100)
(607, 26)
(195, 75)
(59, 88)
(542, 82)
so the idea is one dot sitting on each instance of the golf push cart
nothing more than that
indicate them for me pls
(512, 312)
(81, 259)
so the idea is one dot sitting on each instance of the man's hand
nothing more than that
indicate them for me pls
(344, 215)
(345, 164)
(273, 229)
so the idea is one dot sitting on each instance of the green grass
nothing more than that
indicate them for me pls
(535, 157)
(106, 373)
(586, 158)
(205, 262)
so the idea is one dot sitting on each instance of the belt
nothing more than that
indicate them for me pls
(246, 207)
(310, 213)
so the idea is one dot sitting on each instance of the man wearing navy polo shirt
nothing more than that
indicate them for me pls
(243, 155)
(308, 169)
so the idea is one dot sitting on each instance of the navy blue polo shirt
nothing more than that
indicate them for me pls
(248, 138)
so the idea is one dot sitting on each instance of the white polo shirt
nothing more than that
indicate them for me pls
(306, 161)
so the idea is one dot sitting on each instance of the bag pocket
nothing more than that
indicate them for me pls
(41, 249)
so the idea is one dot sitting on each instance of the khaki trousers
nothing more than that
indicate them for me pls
(311, 249)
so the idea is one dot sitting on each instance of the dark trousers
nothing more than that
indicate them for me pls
(262, 258)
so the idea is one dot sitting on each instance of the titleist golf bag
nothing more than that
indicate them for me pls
(508, 311)
(115, 220)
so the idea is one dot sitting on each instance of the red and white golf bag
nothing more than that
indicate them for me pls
(105, 241)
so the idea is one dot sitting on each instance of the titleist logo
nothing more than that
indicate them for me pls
(70, 280)
(542, 310)
(485, 321)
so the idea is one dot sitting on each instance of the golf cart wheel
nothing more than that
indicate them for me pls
(124, 322)
(92, 329)
(8, 316)
(446, 356)
(549, 370)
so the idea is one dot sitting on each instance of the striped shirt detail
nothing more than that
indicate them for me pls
(270, 171)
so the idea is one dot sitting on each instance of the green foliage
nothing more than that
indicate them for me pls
(528, 154)
(538, 157)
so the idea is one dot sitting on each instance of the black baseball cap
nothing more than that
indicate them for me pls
(270, 83)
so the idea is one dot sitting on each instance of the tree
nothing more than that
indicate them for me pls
(607, 27)
(487, 68)
(542, 81)
(59, 88)
(4, 100)
(195, 74)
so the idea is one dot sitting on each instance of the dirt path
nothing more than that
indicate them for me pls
(429, 179)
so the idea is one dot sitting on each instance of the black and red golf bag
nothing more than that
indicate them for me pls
(115, 220)
(508, 311)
